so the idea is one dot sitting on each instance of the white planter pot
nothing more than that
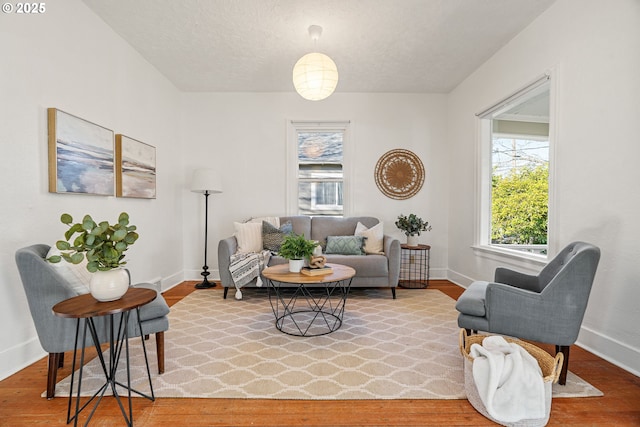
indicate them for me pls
(295, 265)
(412, 240)
(109, 285)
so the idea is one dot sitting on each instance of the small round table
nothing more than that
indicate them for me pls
(414, 266)
(87, 308)
(323, 299)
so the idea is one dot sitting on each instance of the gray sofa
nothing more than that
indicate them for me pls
(371, 270)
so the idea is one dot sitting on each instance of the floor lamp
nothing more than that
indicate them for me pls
(205, 181)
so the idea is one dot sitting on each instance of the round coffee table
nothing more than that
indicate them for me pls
(314, 305)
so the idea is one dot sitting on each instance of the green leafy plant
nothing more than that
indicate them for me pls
(296, 246)
(103, 244)
(412, 224)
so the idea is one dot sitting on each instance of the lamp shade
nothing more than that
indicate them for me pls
(206, 180)
(315, 76)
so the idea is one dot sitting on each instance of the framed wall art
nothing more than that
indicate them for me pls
(135, 168)
(80, 155)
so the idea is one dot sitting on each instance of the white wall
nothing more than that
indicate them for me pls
(595, 48)
(69, 59)
(243, 135)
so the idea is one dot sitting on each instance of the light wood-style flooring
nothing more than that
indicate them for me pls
(21, 404)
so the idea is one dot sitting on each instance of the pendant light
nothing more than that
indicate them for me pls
(315, 75)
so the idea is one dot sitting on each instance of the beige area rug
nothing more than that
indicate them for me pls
(386, 349)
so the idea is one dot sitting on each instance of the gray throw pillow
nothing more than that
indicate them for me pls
(272, 236)
(345, 245)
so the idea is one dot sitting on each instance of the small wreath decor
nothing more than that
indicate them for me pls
(399, 174)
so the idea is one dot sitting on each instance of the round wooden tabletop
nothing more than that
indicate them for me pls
(87, 306)
(281, 273)
(415, 247)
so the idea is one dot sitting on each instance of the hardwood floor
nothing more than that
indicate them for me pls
(21, 404)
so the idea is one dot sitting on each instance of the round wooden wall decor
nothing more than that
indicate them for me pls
(399, 174)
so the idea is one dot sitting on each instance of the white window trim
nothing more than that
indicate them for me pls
(291, 173)
(481, 246)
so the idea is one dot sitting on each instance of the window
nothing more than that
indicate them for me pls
(514, 172)
(319, 168)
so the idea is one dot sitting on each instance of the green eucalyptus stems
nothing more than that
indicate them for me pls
(412, 224)
(103, 244)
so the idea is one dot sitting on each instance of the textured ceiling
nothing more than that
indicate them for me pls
(378, 45)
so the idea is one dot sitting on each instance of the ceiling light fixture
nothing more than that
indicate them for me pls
(315, 75)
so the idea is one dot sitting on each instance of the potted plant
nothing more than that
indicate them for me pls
(411, 226)
(296, 248)
(103, 245)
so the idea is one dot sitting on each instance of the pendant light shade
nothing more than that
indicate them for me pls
(315, 75)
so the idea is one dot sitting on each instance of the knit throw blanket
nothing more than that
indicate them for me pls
(244, 267)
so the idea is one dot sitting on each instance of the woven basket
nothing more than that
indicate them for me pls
(549, 365)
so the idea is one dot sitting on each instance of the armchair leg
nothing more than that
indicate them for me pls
(226, 291)
(565, 365)
(55, 360)
(393, 292)
(160, 351)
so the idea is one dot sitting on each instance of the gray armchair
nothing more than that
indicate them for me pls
(45, 287)
(548, 307)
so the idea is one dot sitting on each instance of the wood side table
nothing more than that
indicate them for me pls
(85, 308)
(414, 266)
(314, 305)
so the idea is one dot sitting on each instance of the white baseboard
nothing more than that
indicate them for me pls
(618, 353)
(19, 357)
(459, 279)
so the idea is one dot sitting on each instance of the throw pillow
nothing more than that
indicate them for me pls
(272, 236)
(374, 243)
(249, 236)
(76, 275)
(345, 245)
(273, 220)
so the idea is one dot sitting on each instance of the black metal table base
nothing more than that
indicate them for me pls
(117, 340)
(308, 310)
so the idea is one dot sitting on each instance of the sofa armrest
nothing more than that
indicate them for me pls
(226, 248)
(392, 251)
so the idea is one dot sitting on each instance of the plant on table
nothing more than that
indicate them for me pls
(412, 225)
(102, 243)
(296, 246)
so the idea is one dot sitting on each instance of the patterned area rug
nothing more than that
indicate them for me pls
(386, 349)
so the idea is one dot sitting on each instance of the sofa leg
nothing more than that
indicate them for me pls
(393, 292)
(226, 291)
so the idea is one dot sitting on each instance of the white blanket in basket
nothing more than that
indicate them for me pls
(509, 380)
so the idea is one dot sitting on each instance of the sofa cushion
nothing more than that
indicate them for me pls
(472, 301)
(374, 243)
(249, 236)
(272, 237)
(325, 226)
(345, 245)
(365, 265)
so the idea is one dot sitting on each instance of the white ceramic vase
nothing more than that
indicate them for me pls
(412, 240)
(109, 285)
(295, 265)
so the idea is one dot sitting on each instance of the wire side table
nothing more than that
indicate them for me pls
(414, 266)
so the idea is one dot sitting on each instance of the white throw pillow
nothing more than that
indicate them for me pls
(249, 236)
(273, 220)
(76, 274)
(374, 242)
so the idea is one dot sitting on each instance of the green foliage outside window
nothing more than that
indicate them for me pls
(519, 206)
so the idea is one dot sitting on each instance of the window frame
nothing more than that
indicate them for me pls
(482, 240)
(292, 181)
